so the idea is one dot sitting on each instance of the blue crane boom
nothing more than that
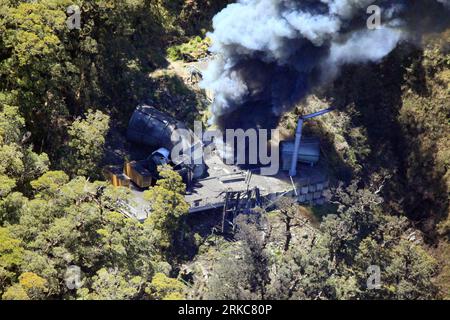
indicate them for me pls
(298, 137)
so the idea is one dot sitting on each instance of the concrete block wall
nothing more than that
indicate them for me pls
(313, 193)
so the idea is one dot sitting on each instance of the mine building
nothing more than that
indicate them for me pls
(213, 184)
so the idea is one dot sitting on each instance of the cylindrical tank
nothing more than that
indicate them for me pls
(152, 127)
(309, 152)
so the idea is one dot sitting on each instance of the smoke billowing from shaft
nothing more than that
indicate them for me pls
(271, 52)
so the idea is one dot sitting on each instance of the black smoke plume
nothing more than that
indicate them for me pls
(270, 53)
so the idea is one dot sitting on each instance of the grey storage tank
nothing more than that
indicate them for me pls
(309, 152)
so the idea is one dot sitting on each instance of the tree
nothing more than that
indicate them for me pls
(126, 245)
(361, 236)
(112, 285)
(87, 139)
(333, 263)
(11, 207)
(11, 257)
(167, 206)
(410, 271)
(231, 279)
(79, 223)
(15, 292)
(165, 288)
(30, 287)
(249, 274)
(18, 163)
(33, 56)
(290, 215)
(49, 183)
(254, 243)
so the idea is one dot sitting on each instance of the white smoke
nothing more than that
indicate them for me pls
(445, 3)
(292, 36)
(346, 9)
(315, 28)
(251, 26)
(362, 46)
(227, 86)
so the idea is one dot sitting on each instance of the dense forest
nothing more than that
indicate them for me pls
(62, 92)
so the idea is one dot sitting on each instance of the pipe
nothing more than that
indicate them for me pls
(298, 138)
(318, 113)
